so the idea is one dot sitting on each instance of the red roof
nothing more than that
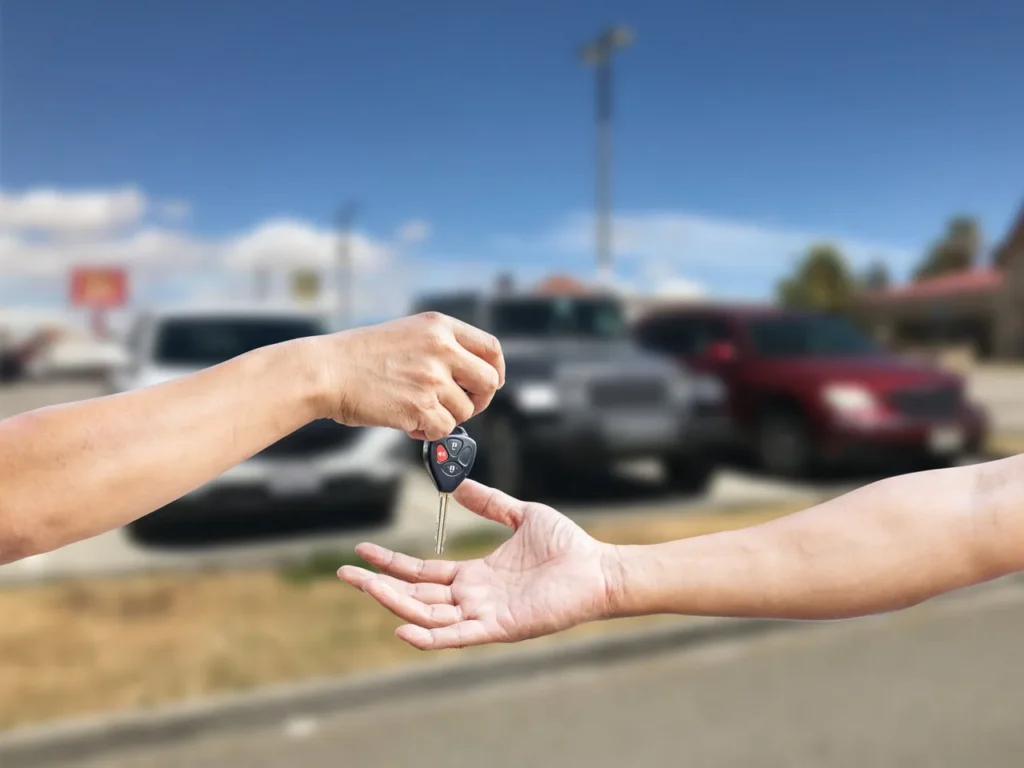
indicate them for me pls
(969, 281)
(562, 284)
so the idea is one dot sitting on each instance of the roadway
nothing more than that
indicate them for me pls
(940, 685)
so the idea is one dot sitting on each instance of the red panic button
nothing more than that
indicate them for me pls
(442, 454)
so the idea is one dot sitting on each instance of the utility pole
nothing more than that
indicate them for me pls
(598, 54)
(346, 216)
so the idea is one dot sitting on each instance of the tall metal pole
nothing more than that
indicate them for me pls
(599, 55)
(603, 181)
(346, 216)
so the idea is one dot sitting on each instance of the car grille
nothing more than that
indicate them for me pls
(932, 403)
(313, 439)
(628, 392)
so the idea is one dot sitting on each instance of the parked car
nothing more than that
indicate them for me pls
(581, 395)
(811, 389)
(322, 465)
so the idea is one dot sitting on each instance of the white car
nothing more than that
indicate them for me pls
(325, 465)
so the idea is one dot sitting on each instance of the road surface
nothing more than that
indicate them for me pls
(939, 686)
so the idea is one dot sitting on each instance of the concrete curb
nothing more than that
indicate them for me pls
(83, 739)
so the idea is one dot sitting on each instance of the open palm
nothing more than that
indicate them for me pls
(549, 576)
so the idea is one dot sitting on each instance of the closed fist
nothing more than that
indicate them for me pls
(423, 374)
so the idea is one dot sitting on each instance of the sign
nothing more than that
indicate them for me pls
(305, 285)
(99, 287)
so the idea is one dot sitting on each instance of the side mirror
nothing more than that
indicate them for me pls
(721, 352)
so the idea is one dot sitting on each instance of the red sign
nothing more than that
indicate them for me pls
(99, 287)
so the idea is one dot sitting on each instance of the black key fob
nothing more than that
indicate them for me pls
(450, 459)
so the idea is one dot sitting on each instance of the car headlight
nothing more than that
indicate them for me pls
(849, 398)
(537, 396)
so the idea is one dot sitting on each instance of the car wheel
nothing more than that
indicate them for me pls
(507, 467)
(784, 445)
(689, 474)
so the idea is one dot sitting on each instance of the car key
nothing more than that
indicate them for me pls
(448, 462)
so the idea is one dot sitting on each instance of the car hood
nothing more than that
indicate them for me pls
(881, 372)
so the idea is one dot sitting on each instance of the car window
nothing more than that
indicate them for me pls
(205, 341)
(809, 336)
(559, 316)
(673, 336)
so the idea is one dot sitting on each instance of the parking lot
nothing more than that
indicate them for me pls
(233, 539)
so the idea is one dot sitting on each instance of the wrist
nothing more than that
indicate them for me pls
(305, 377)
(616, 562)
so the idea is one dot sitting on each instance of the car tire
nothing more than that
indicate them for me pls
(507, 466)
(784, 445)
(689, 474)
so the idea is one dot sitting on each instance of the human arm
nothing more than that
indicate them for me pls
(72, 471)
(887, 546)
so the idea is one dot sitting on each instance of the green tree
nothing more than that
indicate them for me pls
(822, 280)
(959, 249)
(875, 277)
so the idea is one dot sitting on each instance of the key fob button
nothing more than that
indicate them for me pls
(454, 446)
(442, 454)
(466, 457)
(451, 469)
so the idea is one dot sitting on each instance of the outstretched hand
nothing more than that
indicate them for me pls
(549, 576)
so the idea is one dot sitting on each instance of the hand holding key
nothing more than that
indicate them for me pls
(422, 374)
(549, 576)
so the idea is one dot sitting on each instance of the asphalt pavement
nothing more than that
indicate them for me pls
(940, 686)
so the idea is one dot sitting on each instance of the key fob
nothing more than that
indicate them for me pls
(450, 459)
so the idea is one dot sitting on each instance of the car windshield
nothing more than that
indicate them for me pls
(559, 316)
(206, 341)
(809, 336)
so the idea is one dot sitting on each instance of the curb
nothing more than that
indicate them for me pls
(84, 739)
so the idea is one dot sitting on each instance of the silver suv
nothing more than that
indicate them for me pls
(580, 394)
(323, 465)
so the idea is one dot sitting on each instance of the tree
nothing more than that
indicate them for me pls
(957, 251)
(822, 281)
(876, 277)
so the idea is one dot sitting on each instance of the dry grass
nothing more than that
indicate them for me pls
(1006, 444)
(85, 647)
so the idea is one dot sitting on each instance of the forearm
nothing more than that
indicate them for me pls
(72, 471)
(884, 547)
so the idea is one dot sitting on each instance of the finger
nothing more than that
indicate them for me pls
(490, 503)
(461, 635)
(408, 568)
(410, 609)
(455, 400)
(481, 344)
(438, 422)
(425, 592)
(474, 374)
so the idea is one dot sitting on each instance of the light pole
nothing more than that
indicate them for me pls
(598, 54)
(346, 216)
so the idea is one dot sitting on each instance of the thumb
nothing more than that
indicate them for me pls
(490, 503)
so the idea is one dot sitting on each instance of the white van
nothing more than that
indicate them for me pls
(322, 465)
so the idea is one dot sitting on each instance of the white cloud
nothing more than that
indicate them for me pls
(61, 212)
(670, 249)
(179, 265)
(414, 232)
(175, 210)
(295, 243)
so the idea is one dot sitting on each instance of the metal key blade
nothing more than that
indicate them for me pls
(442, 520)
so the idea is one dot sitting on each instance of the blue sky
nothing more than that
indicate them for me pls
(742, 130)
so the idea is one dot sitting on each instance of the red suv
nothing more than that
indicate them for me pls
(808, 389)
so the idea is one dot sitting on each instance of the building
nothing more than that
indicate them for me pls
(982, 308)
